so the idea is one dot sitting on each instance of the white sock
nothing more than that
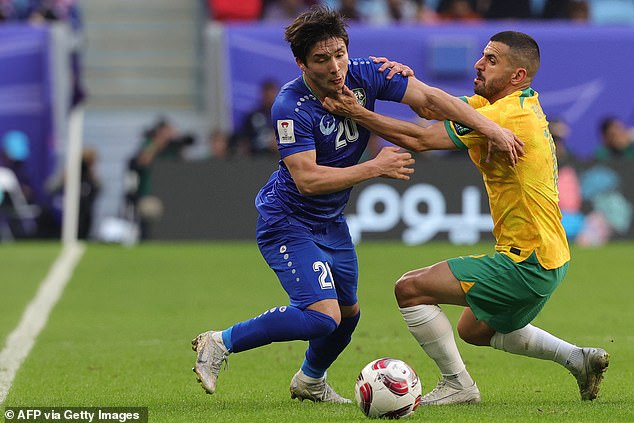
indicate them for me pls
(534, 342)
(433, 331)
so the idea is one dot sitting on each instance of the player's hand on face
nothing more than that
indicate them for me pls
(393, 163)
(508, 143)
(394, 67)
(343, 105)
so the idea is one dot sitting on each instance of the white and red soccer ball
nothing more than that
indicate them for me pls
(388, 388)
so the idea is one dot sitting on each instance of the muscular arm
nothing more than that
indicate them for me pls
(434, 103)
(404, 134)
(437, 104)
(314, 179)
(416, 138)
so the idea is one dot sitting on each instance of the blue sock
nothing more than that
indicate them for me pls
(278, 324)
(322, 352)
(226, 338)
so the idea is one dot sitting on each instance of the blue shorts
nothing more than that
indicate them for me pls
(313, 263)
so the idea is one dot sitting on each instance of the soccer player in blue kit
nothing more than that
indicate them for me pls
(301, 229)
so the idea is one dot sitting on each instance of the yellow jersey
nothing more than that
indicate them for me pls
(524, 199)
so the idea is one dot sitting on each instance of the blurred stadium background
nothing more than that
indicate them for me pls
(200, 66)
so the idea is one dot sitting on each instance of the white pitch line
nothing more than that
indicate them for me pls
(22, 339)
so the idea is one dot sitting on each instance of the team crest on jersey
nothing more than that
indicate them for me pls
(359, 93)
(461, 130)
(327, 124)
(286, 131)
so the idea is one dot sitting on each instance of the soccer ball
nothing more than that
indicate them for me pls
(388, 388)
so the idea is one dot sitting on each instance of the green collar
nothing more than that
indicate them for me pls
(524, 94)
(310, 89)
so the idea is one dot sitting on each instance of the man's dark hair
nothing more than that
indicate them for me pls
(319, 23)
(606, 122)
(524, 51)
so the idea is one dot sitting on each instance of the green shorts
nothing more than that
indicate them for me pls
(505, 294)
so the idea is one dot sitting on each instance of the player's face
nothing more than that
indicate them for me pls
(494, 71)
(326, 67)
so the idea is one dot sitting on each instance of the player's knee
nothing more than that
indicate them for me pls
(465, 333)
(474, 334)
(318, 324)
(349, 311)
(400, 291)
(330, 308)
(405, 289)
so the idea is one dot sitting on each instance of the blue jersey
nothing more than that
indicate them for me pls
(302, 124)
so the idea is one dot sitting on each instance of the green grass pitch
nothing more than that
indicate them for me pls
(120, 335)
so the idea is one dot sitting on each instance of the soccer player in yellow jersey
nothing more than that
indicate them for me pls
(504, 292)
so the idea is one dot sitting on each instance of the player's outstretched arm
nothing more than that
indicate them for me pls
(314, 179)
(441, 105)
(404, 134)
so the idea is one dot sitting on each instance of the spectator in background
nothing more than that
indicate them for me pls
(284, 10)
(401, 11)
(256, 136)
(18, 211)
(89, 188)
(88, 193)
(383, 12)
(509, 9)
(425, 13)
(7, 11)
(560, 130)
(579, 11)
(55, 10)
(616, 140)
(570, 199)
(555, 9)
(16, 10)
(458, 10)
(349, 9)
(575, 10)
(159, 142)
(218, 144)
(14, 155)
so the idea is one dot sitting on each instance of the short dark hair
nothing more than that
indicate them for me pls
(269, 83)
(606, 122)
(319, 23)
(524, 50)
